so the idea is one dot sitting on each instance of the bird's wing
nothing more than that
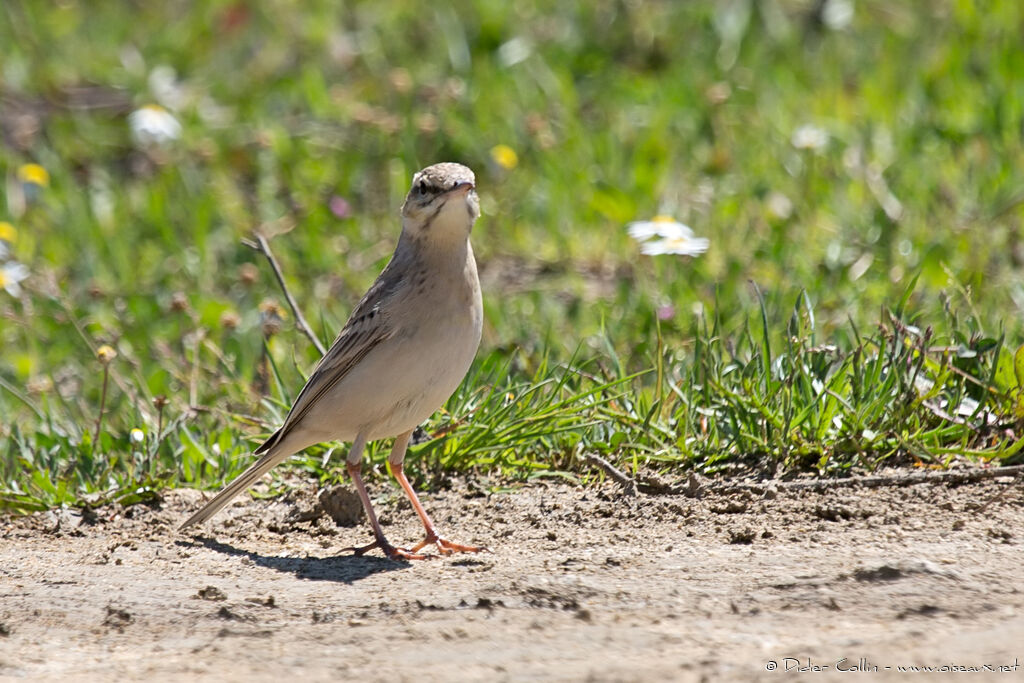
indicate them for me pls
(368, 326)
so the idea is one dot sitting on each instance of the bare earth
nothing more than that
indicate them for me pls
(582, 584)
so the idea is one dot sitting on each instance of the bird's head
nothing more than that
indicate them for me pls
(442, 202)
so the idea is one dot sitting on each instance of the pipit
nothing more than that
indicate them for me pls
(403, 351)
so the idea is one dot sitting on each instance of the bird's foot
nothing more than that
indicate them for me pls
(391, 552)
(446, 547)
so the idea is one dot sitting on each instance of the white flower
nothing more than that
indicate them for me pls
(837, 14)
(163, 83)
(779, 205)
(152, 125)
(11, 275)
(514, 51)
(137, 435)
(809, 137)
(675, 238)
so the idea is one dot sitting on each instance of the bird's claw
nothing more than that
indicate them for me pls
(443, 545)
(390, 552)
(446, 547)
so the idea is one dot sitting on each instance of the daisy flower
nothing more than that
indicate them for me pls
(779, 206)
(809, 137)
(152, 125)
(837, 14)
(672, 237)
(11, 275)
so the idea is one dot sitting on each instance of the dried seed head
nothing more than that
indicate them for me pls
(229, 320)
(179, 302)
(271, 317)
(248, 273)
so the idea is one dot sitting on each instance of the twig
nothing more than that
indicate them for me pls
(627, 484)
(159, 401)
(1000, 494)
(103, 405)
(22, 397)
(193, 380)
(261, 245)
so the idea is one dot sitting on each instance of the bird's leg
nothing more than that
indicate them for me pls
(444, 546)
(355, 471)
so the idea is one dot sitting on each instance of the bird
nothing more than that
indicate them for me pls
(405, 348)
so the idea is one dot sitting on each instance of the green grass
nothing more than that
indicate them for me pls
(860, 304)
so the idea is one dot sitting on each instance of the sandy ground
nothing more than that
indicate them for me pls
(582, 584)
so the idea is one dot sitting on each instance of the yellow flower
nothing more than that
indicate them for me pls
(8, 233)
(106, 354)
(34, 174)
(505, 156)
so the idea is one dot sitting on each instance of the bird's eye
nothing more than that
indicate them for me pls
(421, 188)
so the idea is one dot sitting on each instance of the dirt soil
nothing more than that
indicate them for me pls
(581, 584)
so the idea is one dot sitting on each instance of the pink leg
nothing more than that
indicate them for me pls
(444, 546)
(389, 550)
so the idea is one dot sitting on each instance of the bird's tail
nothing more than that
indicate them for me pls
(241, 483)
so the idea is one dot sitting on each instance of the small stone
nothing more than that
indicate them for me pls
(342, 504)
(742, 536)
(211, 593)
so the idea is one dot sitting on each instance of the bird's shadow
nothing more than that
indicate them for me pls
(340, 568)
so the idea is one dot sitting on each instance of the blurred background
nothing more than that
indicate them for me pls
(844, 158)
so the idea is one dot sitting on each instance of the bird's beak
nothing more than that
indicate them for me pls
(462, 188)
